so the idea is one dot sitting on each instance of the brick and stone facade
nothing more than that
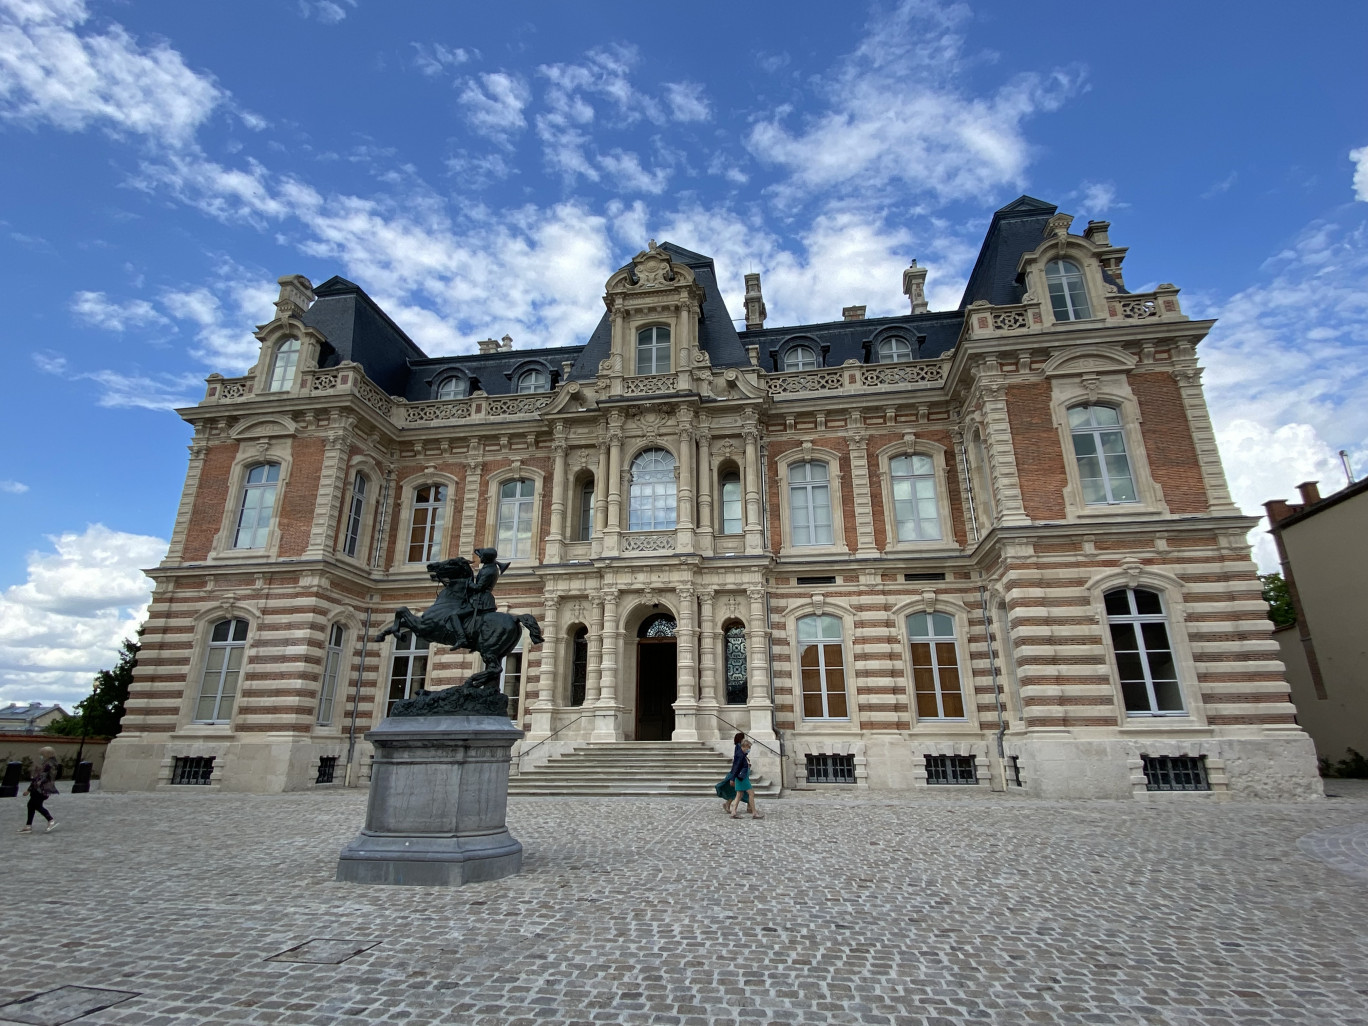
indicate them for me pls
(878, 544)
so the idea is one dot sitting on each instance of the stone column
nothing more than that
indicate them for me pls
(1189, 380)
(708, 727)
(759, 700)
(594, 666)
(859, 479)
(555, 541)
(600, 511)
(706, 527)
(753, 528)
(541, 702)
(606, 726)
(332, 486)
(470, 504)
(198, 450)
(684, 527)
(613, 531)
(686, 674)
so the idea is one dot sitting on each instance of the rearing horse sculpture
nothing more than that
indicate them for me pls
(452, 620)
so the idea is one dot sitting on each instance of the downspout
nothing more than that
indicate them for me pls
(356, 701)
(769, 619)
(997, 687)
(968, 489)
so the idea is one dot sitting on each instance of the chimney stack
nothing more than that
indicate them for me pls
(489, 345)
(506, 343)
(1310, 492)
(296, 296)
(1096, 233)
(914, 287)
(852, 313)
(755, 304)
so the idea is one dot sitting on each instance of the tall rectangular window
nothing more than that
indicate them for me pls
(586, 512)
(258, 503)
(332, 669)
(511, 681)
(515, 517)
(283, 366)
(821, 661)
(731, 502)
(1144, 655)
(408, 669)
(810, 503)
(222, 672)
(355, 509)
(935, 667)
(579, 666)
(653, 350)
(914, 497)
(425, 532)
(1099, 444)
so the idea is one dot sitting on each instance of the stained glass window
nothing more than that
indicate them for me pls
(735, 641)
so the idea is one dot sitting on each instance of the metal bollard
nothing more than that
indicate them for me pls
(10, 787)
(80, 783)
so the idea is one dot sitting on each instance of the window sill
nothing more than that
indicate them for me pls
(930, 547)
(1101, 511)
(798, 551)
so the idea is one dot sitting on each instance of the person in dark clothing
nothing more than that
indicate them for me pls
(740, 776)
(482, 588)
(43, 785)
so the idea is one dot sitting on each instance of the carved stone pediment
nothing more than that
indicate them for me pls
(650, 269)
(1095, 359)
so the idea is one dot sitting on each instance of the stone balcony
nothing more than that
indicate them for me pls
(855, 377)
(983, 320)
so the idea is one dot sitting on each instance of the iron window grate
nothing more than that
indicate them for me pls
(924, 577)
(192, 769)
(831, 769)
(1175, 773)
(327, 767)
(951, 769)
(814, 580)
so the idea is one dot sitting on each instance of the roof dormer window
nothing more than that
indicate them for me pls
(534, 379)
(283, 366)
(653, 350)
(454, 387)
(895, 350)
(1068, 294)
(800, 358)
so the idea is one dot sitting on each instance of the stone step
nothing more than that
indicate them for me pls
(633, 768)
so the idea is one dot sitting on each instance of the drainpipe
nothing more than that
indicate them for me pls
(997, 687)
(356, 701)
(968, 489)
(769, 618)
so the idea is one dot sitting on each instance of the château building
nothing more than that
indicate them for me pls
(988, 546)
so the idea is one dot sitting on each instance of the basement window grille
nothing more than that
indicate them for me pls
(815, 580)
(327, 766)
(192, 769)
(1175, 773)
(923, 577)
(831, 769)
(951, 769)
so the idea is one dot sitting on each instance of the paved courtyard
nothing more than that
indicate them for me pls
(182, 909)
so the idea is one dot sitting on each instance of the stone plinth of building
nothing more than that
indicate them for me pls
(438, 802)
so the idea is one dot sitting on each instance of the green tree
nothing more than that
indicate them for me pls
(1279, 600)
(99, 713)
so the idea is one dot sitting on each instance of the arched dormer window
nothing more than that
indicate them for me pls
(653, 350)
(800, 358)
(653, 505)
(453, 387)
(1068, 294)
(283, 365)
(895, 349)
(534, 379)
(258, 504)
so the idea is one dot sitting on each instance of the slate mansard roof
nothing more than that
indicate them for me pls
(357, 329)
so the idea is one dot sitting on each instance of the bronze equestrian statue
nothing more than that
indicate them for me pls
(465, 615)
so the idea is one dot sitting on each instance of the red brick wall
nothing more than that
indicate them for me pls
(295, 511)
(1168, 442)
(211, 499)
(1039, 459)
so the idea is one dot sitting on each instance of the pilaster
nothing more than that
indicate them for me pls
(859, 472)
(1189, 378)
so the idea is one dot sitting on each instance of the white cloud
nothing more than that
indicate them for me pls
(898, 119)
(434, 60)
(687, 102)
(164, 391)
(97, 310)
(1096, 198)
(13, 487)
(326, 11)
(223, 316)
(1360, 159)
(52, 72)
(67, 620)
(494, 104)
(625, 172)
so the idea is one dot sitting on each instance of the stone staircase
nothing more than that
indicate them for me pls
(638, 768)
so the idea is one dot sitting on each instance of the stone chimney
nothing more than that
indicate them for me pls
(755, 304)
(296, 295)
(914, 287)
(489, 345)
(1096, 233)
(1310, 492)
(506, 343)
(852, 313)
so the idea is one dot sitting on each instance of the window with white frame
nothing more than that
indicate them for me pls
(935, 667)
(515, 517)
(425, 525)
(454, 387)
(586, 511)
(257, 507)
(895, 350)
(653, 350)
(800, 358)
(1068, 293)
(1104, 469)
(534, 379)
(731, 502)
(810, 503)
(408, 669)
(652, 497)
(222, 671)
(332, 670)
(355, 509)
(915, 510)
(1145, 663)
(821, 662)
(283, 366)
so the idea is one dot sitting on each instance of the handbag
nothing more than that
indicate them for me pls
(724, 790)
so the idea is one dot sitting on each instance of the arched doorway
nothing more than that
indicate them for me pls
(657, 684)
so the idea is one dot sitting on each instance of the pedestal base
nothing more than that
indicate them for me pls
(438, 803)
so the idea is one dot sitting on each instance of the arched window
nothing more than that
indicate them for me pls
(515, 517)
(534, 379)
(653, 350)
(800, 358)
(653, 506)
(355, 509)
(579, 665)
(895, 350)
(1100, 447)
(283, 366)
(821, 662)
(914, 497)
(731, 502)
(425, 529)
(585, 526)
(408, 669)
(332, 670)
(734, 643)
(258, 504)
(810, 503)
(1068, 294)
(454, 387)
(935, 667)
(661, 625)
(222, 670)
(1144, 655)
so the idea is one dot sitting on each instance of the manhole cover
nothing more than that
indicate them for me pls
(323, 951)
(55, 1007)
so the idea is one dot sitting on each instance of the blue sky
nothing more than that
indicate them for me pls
(480, 169)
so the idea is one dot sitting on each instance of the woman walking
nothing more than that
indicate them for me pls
(740, 774)
(43, 785)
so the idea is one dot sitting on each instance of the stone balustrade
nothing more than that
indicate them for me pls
(857, 377)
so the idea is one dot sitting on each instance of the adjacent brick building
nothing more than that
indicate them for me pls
(992, 545)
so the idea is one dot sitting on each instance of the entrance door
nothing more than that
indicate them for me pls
(657, 684)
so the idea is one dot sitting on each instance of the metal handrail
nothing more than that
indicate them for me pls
(740, 731)
(551, 735)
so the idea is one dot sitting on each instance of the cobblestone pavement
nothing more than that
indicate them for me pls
(837, 908)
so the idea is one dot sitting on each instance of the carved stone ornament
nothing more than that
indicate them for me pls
(818, 603)
(652, 269)
(1133, 568)
(1058, 225)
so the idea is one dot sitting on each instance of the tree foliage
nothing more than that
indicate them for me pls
(1279, 600)
(99, 713)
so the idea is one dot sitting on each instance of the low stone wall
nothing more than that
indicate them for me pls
(24, 748)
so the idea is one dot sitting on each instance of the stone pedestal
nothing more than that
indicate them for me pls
(438, 800)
